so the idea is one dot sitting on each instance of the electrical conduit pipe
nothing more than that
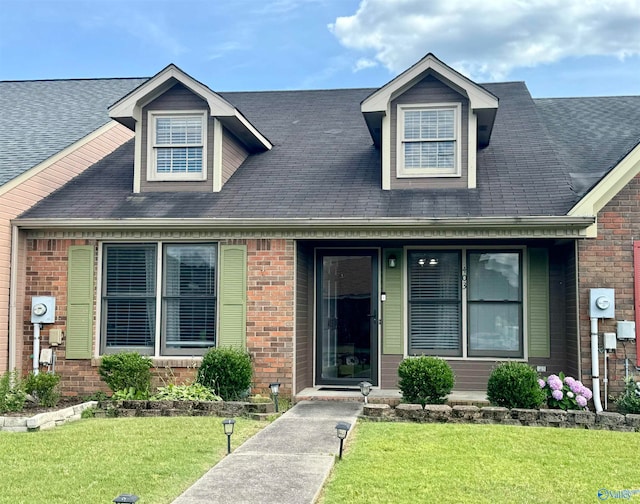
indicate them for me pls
(36, 348)
(595, 368)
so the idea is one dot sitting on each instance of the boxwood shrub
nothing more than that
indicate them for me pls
(127, 374)
(425, 380)
(515, 385)
(227, 371)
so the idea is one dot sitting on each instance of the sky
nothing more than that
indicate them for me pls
(558, 47)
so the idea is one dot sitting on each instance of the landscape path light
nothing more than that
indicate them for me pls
(126, 498)
(228, 430)
(341, 429)
(275, 390)
(365, 389)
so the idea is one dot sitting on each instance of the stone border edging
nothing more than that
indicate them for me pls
(43, 421)
(256, 411)
(441, 413)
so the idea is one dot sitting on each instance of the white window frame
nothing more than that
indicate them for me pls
(152, 172)
(159, 350)
(403, 172)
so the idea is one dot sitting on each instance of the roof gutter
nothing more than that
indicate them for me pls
(558, 223)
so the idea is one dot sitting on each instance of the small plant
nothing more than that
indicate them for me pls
(96, 396)
(12, 393)
(189, 392)
(629, 400)
(514, 385)
(425, 380)
(88, 413)
(43, 387)
(565, 393)
(127, 374)
(227, 371)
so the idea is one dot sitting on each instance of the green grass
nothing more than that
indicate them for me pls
(96, 460)
(393, 462)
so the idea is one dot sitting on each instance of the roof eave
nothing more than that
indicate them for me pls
(534, 226)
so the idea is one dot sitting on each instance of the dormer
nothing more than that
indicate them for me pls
(429, 123)
(187, 137)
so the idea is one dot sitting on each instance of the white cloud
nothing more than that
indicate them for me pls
(364, 63)
(488, 38)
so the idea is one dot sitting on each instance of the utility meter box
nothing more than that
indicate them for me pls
(43, 310)
(626, 330)
(602, 303)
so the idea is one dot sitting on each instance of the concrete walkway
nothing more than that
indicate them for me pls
(286, 462)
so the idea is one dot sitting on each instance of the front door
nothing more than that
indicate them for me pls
(347, 317)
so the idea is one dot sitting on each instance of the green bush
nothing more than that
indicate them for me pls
(190, 392)
(629, 400)
(127, 374)
(515, 385)
(12, 393)
(227, 371)
(44, 388)
(425, 380)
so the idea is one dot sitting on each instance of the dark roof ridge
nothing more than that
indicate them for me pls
(73, 79)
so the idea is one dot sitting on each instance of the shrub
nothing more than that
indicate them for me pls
(12, 393)
(514, 385)
(190, 392)
(565, 393)
(425, 380)
(127, 374)
(629, 400)
(44, 388)
(227, 371)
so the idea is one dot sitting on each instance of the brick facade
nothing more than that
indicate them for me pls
(607, 262)
(270, 316)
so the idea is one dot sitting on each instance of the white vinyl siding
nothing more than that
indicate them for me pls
(177, 147)
(428, 141)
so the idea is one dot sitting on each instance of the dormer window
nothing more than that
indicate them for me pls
(429, 140)
(177, 146)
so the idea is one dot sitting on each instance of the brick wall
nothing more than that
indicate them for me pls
(607, 262)
(270, 312)
(270, 316)
(46, 275)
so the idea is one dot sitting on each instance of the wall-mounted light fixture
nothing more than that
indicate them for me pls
(392, 261)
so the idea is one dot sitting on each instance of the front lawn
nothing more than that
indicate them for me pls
(404, 462)
(96, 460)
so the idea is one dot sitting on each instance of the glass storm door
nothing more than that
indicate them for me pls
(347, 317)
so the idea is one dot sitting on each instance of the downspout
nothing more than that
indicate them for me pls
(595, 368)
(13, 292)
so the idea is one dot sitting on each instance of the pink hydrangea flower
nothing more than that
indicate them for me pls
(541, 382)
(557, 395)
(586, 393)
(582, 401)
(554, 382)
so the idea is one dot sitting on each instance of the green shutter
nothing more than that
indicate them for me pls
(233, 296)
(538, 303)
(393, 307)
(80, 302)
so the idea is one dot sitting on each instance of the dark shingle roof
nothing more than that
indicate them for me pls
(323, 165)
(591, 134)
(40, 118)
